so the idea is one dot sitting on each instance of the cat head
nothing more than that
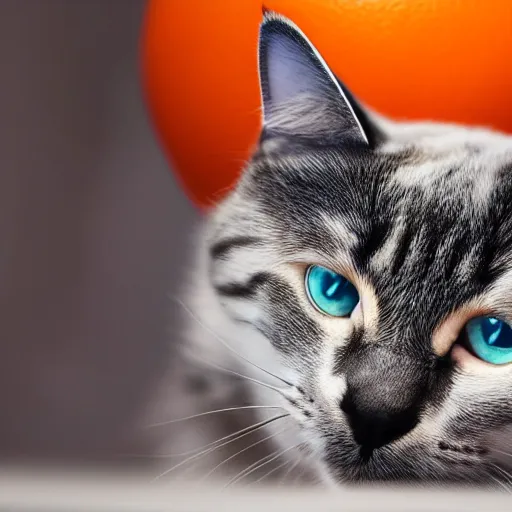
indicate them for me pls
(374, 260)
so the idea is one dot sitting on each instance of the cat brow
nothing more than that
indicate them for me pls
(223, 247)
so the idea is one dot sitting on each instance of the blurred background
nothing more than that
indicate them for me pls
(93, 229)
(94, 237)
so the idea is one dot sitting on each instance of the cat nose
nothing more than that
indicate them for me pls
(374, 427)
(383, 397)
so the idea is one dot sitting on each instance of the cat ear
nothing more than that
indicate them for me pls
(301, 96)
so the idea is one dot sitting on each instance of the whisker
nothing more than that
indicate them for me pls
(259, 464)
(507, 476)
(298, 476)
(500, 483)
(244, 450)
(289, 470)
(285, 463)
(229, 347)
(248, 430)
(227, 370)
(244, 471)
(504, 472)
(502, 453)
(161, 423)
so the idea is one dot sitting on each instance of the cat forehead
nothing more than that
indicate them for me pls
(471, 162)
(447, 182)
(442, 137)
(466, 165)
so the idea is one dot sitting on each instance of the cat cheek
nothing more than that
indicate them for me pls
(337, 330)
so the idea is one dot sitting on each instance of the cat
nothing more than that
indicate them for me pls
(351, 294)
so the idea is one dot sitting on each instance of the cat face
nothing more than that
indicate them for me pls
(374, 260)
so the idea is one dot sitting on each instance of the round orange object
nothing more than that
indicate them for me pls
(447, 60)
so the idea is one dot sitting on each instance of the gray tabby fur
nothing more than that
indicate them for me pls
(419, 217)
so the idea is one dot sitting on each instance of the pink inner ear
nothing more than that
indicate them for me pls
(290, 72)
(302, 97)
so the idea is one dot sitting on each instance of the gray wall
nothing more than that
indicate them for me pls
(93, 230)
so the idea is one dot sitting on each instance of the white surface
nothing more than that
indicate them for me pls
(105, 492)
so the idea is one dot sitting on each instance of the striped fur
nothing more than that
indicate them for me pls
(419, 217)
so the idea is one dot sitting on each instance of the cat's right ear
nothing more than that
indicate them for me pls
(301, 96)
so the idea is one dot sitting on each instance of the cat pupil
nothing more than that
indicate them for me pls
(497, 333)
(493, 327)
(331, 290)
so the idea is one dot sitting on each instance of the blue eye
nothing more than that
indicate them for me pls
(490, 339)
(329, 292)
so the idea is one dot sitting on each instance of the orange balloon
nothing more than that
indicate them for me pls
(448, 60)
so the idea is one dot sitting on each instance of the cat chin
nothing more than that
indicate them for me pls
(417, 466)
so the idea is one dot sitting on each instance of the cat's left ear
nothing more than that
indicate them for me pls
(302, 98)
